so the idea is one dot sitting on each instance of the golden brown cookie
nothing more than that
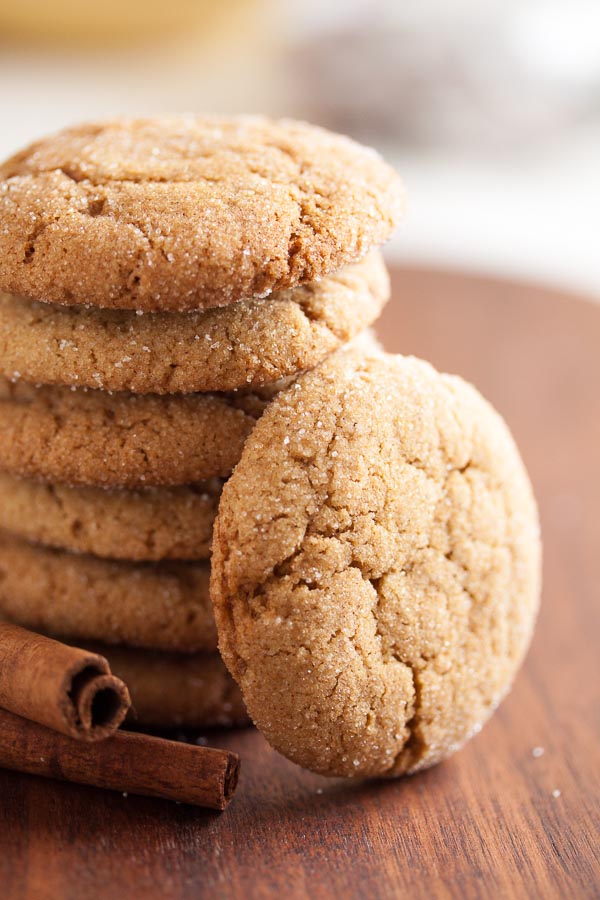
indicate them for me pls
(148, 525)
(164, 606)
(376, 565)
(188, 212)
(170, 690)
(250, 343)
(95, 438)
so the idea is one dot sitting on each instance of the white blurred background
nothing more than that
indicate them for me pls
(490, 109)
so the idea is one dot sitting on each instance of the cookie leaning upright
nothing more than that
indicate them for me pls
(188, 213)
(375, 570)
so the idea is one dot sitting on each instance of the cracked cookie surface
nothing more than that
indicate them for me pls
(162, 606)
(250, 343)
(148, 525)
(376, 566)
(188, 212)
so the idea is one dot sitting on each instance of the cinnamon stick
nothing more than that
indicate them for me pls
(67, 689)
(127, 762)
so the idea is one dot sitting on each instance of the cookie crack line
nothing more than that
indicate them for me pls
(31, 241)
(414, 747)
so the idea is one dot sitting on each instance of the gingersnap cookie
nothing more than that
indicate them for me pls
(250, 343)
(188, 212)
(164, 606)
(94, 438)
(99, 439)
(170, 690)
(376, 566)
(148, 525)
(254, 401)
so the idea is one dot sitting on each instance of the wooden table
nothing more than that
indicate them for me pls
(497, 820)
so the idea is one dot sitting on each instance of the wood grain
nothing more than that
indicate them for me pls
(485, 823)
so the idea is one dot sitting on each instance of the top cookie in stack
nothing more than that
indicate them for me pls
(188, 213)
(161, 280)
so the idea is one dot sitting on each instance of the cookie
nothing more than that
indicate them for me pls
(170, 690)
(163, 606)
(99, 439)
(188, 212)
(376, 566)
(251, 343)
(147, 525)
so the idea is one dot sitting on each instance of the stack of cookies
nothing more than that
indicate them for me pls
(163, 280)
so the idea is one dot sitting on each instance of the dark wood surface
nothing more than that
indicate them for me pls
(487, 822)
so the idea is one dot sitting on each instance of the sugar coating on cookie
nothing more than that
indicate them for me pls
(247, 344)
(94, 438)
(147, 525)
(188, 212)
(376, 566)
(162, 606)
